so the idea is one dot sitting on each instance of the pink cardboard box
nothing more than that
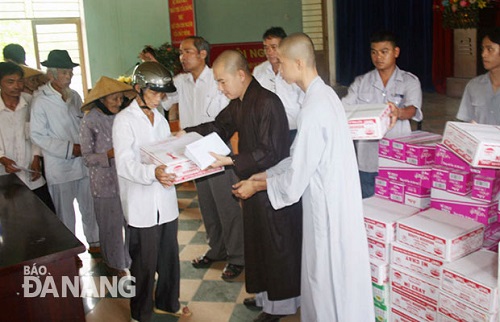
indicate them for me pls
(485, 172)
(465, 206)
(454, 181)
(382, 187)
(385, 147)
(477, 144)
(484, 188)
(417, 196)
(401, 143)
(445, 157)
(397, 192)
(406, 173)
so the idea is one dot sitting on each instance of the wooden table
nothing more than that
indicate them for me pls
(33, 242)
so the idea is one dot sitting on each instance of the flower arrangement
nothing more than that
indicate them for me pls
(125, 79)
(166, 54)
(462, 13)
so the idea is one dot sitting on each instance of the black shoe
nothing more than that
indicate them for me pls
(251, 303)
(266, 317)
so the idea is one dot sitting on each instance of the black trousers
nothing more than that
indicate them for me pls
(154, 250)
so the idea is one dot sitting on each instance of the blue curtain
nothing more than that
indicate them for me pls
(410, 20)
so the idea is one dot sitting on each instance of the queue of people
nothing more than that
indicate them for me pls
(285, 210)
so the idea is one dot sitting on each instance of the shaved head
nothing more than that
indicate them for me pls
(232, 61)
(298, 46)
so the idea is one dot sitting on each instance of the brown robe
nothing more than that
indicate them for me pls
(273, 238)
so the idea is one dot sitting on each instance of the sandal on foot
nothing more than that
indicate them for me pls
(202, 262)
(182, 312)
(231, 271)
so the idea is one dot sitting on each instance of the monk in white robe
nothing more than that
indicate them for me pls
(322, 169)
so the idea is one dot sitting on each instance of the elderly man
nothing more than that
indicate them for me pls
(55, 124)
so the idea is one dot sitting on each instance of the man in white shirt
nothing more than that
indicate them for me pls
(55, 126)
(17, 154)
(200, 102)
(481, 100)
(268, 75)
(389, 85)
(148, 196)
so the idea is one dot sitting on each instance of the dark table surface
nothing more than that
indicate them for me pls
(29, 231)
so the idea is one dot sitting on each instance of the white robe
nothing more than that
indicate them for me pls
(336, 281)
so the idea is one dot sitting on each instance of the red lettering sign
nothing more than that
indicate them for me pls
(181, 20)
(253, 52)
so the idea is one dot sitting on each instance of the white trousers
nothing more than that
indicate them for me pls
(282, 307)
(64, 194)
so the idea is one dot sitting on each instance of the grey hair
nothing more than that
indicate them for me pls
(52, 71)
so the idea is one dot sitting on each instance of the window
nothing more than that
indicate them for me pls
(41, 26)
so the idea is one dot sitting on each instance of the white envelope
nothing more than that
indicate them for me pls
(199, 151)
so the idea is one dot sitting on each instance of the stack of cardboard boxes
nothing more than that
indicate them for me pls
(427, 264)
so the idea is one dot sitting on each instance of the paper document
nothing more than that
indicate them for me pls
(199, 151)
(24, 168)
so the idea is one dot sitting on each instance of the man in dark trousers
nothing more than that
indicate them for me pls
(272, 238)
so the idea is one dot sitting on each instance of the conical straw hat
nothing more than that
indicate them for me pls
(106, 86)
(30, 72)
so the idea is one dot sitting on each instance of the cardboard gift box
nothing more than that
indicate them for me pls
(464, 206)
(415, 283)
(477, 144)
(440, 234)
(418, 148)
(170, 152)
(452, 180)
(407, 257)
(368, 121)
(380, 218)
(453, 309)
(474, 279)
(403, 172)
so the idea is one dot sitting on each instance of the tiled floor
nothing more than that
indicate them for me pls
(209, 298)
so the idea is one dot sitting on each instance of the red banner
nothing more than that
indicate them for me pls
(182, 22)
(253, 52)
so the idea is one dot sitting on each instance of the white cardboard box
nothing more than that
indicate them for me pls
(440, 234)
(380, 217)
(171, 153)
(400, 316)
(477, 144)
(457, 310)
(379, 271)
(474, 279)
(368, 121)
(412, 282)
(381, 293)
(417, 261)
(413, 304)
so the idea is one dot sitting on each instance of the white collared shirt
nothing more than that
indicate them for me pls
(403, 89)
(145, 201)
(15, 142)
(200, 101)
(289, 94)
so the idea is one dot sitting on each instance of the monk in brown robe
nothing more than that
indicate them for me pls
(272, 238)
